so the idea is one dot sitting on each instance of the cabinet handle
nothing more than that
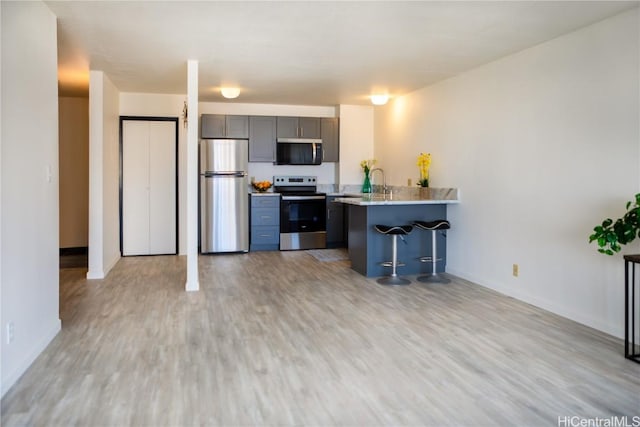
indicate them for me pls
(328, 213)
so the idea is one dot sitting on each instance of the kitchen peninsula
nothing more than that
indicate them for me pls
(401, 206)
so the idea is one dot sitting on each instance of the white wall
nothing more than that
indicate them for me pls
(74, 171)
(104, 170)
(356, 142)
(29, 154)
(543, 144)
(266, 109)
(157, 105)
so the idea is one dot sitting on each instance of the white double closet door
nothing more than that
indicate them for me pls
(149, 208)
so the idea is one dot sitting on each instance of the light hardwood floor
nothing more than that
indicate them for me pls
(279, 338)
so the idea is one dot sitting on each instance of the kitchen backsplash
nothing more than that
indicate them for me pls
(325, 172)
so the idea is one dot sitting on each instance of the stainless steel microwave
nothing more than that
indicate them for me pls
(298, 151)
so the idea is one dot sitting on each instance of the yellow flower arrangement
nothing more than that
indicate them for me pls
(366, 165)
(424, 162)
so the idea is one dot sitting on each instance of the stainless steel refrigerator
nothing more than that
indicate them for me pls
(224, 201)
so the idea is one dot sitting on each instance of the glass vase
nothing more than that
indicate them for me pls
(366, 185)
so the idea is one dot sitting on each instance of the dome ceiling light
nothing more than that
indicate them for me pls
(379, 99)
(230, 92)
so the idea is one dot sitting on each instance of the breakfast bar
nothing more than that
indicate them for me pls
(368, 248)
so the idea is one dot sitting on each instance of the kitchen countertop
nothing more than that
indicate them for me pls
(404, 196)
(265, 193)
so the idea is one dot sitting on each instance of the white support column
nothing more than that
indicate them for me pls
(193, 283)
(96, 175)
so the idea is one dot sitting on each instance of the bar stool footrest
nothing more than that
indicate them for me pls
(428, 259)
(390, 264)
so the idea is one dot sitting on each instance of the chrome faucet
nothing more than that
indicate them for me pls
(384, 180)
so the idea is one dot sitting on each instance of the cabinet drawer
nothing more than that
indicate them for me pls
(264, 216)
(262, 235)
(265, 201)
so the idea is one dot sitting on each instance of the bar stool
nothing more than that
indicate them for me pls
(433, 226)
(394, 231)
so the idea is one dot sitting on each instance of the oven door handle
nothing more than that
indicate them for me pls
(304, 197)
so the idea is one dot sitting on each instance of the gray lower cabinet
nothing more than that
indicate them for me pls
(335, 223)
(224, 126)
(265, 222)
(330, 132)
(262, 139)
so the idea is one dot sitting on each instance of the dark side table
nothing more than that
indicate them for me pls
(631, 308)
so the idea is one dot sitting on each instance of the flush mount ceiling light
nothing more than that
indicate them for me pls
(230, 92)
(379, 99)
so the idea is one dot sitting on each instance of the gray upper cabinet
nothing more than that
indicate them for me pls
(222, 126)
(262, 139)
(237, 126)
(330, 132)
(298, 127)
(287, 127)
(213, 126)
(309, 127)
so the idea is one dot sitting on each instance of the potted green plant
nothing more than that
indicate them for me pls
(610, 235)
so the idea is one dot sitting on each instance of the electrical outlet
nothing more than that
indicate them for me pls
(516, 270)
(409, 182)
(10, 332)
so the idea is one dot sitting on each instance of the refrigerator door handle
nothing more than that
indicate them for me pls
(226, 174)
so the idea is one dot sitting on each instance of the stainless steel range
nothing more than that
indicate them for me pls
(303, 220)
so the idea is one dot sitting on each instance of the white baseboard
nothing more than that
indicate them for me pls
(97, 275)
(192, 286)
(111, 264)
(615, 330)
(9, 380)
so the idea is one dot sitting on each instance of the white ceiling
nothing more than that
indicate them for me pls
(306, 53)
